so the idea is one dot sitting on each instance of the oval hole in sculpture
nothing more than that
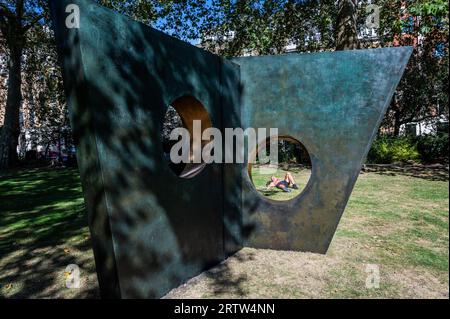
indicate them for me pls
(294, 167)
(181, 113)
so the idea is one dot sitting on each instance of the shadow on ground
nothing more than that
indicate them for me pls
(434, 172)
(224, 281)
(43, 228)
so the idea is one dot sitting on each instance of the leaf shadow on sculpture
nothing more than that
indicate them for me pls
(152, 230)
(118, 121)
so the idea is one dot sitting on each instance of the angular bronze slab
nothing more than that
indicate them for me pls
(331, 102)
(152, 230)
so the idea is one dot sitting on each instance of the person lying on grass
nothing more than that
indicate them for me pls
(284, 184)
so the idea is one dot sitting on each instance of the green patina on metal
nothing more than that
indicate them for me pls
(152, 230)
(331, 102)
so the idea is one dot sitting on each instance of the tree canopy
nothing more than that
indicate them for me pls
(230, 28)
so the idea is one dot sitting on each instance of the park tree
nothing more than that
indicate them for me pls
(27, 48)
(422, 93)
(229, 28)
(346, 29)
(17, 17)
(268, 27)
(44, 114)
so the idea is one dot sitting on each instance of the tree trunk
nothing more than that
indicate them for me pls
(346, 29)
(10, 132)
(47, 147)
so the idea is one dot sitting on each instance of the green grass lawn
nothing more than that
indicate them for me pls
(396, 221)
(43, 228)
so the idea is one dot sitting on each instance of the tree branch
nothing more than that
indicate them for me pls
(19, 9)
(4, 10)
(409, 120)
(3, 24)
(32, 23)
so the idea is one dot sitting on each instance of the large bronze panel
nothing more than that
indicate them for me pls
(331, 102)
(152, 230)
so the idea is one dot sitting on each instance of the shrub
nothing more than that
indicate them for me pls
(433, 147)
(388, 149)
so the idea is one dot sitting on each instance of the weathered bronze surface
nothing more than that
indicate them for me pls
(152, 230)
(333, 104)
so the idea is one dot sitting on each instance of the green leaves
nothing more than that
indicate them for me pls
(431, 14)
(431, 8)
(386, 150)
(267, 27)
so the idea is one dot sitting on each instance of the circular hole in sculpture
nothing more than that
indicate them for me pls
(182, 113)
(289, 177)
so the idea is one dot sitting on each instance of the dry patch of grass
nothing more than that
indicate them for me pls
(397, 222)
(43, 229)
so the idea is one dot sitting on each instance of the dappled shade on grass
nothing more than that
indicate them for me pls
(399, 222)
(43, 228)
